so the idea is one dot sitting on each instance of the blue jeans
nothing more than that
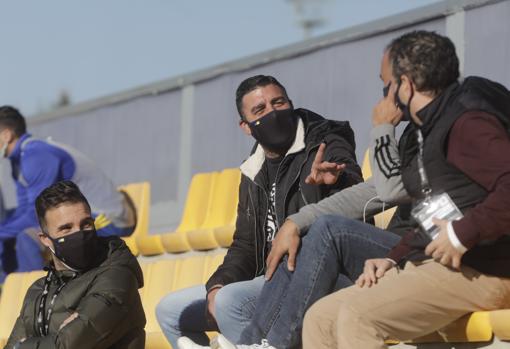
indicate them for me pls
(182, 313)
(332, 253)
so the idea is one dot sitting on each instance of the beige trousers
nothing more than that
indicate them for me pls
(405, 304)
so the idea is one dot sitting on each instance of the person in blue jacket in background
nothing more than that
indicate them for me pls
(36, 164)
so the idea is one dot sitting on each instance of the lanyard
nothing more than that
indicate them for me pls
(425, 186)
(43, 321)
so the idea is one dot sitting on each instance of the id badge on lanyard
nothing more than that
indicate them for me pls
(435, 206)
(439, 206)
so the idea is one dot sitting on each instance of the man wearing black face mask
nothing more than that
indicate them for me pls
(299, 158)
(89, 299)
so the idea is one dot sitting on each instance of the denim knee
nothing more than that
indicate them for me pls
(166, 311)
(225, 303)
(329, 224)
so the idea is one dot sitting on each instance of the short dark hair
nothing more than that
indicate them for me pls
(427, 58)
(12, 119)
(253, 83)
(63, 192)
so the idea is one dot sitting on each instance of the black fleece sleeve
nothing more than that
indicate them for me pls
(240, 262)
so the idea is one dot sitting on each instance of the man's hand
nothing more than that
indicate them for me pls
(374, 270)
(210, 302)
(68, 320)
(287, 241)
(386, 111)
(324, 172)
(441, 249)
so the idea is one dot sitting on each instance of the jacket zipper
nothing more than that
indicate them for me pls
(276, 212)
(299, 174)
(275, 186)
(255, 230)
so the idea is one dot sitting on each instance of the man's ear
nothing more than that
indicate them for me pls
(245, 128)
(45, 240)
(406, 87)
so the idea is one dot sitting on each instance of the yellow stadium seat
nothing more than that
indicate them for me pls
(161, 278)
(366, 169)
(3, 342)
(159, 281)
(150, 245)
(500, 322)
(224, 235)
(383, 219)
(221, 212)
(140, 194)
(10, 303)
(156, 340)
(195, 209)
(190, 271)
(213, 262)
(13, 294)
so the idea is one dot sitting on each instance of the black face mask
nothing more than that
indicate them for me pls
(77, 250)
(386, 90)
(276, 130)
(405, 108)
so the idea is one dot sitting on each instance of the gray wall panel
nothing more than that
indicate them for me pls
(339, 82)
(134, 141)
(488, 42)
(218, 140)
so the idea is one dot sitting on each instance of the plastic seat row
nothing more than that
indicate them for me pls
(167, 275)
(160, 278)
(208, 219)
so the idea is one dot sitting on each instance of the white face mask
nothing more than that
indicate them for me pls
(3, 151)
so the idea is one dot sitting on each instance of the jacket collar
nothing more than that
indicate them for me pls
(251, 167)
(16, 152)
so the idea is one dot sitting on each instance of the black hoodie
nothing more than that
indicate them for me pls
(245, 259)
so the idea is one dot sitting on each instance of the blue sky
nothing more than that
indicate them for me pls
(97, 47)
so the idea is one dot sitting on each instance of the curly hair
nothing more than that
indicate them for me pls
(427, 58)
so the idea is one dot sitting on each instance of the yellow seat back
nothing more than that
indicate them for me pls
(197, 201)
(140, 194)
(10, 303)
(383, 219)
(189, 272)
(13, 294)
(223, 204)
(366, 169)
(159, 281)
(213, 262)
